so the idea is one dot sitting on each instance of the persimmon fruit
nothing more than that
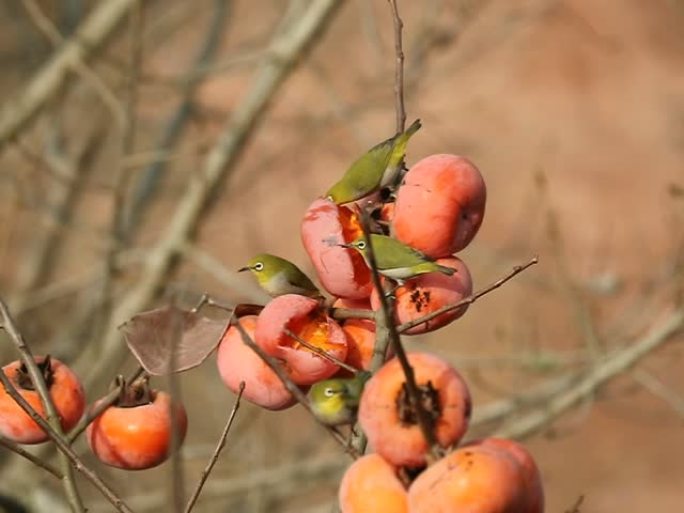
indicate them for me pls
(65, 390)
(390, 423)
(237, 362)
(138, 433)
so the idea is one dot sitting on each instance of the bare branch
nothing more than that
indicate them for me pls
(219, 447)
(39, 462)
(399, 67)
(599, 374)
(467, 300)
(286, 50)
(19, 111)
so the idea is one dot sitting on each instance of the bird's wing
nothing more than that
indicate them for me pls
(398, 255)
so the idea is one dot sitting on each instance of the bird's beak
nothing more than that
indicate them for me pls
(348, 246)
(242, 269)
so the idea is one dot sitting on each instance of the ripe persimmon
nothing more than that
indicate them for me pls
(426, 293)
(476, 479)
(371, 485)
(305, 318)
(387, 418)
(341, 271)
(137, 432)
(440, 205)
(534, 490)
(65, 390)
(237, 362)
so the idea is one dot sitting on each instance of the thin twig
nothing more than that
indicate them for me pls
(318, 351)
(19, 111)
(278, 369)
(49, 30)
(219, 447)
(467, 300)
(399, 67)
(342, 314)
(39, 462)
(596, 377)
(149, 178)
(53, 419)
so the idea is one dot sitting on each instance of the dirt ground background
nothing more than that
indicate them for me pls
(572, 109)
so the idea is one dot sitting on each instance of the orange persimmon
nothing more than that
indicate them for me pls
(390, 423)
(305, 318)
(138, 436)
(440, 205)
(371, 485)
(341, 271)
(65, 390)
(476, 479)
(237, 362)
(427, 293)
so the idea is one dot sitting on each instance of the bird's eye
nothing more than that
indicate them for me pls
(361, 244)
(328, 392)
(258, 266)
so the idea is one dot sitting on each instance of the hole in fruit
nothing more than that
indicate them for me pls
(429, 400)
(351, 226)
(315, 330)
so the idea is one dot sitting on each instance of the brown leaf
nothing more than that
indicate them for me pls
(152, 335)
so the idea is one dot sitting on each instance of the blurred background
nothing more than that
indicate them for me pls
(149, 147)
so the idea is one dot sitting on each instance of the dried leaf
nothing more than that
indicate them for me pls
(171, 339)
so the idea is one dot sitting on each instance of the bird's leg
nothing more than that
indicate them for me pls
(390, 294)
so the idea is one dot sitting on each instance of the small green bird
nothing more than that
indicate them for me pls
(336, 401)
(395, 259)
(377, 168)
(278, 276)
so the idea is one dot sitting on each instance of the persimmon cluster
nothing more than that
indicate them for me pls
(133, 432)
(437, 210)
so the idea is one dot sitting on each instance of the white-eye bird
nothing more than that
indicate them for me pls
(395, 259)
(375, 169)
(278, 276)
(336, 401)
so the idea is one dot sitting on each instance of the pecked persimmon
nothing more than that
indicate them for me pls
(387, 418)
(65, 390)
(440, 205)
(137, 433)
(427, 293)
(305, 318)
(371, 484)
(237, 362)
(341, 271)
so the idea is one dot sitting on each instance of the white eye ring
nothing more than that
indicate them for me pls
(361, 244)
(258, 266)
(328, 392)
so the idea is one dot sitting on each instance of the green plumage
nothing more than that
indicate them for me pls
(396, 260)
(336, 401)
(377, 168)
(278, 276)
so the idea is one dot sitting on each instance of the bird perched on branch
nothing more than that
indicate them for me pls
(395, 259)
(377, 168)
(335, 401)
(278, 276)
